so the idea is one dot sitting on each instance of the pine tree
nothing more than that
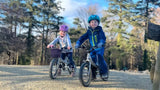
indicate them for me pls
(114, 21)
(47, 11)
(12, 18)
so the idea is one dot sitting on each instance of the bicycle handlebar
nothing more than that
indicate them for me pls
(88, 51)
(93, 48)
(63, 48)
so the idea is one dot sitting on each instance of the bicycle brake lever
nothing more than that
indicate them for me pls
(95, 47)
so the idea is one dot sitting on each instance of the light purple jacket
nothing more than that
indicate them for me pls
(64, 42)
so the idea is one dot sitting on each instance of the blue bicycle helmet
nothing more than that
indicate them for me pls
(93, 17)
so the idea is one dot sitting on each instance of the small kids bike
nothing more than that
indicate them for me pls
(57, 64)
(85, 73)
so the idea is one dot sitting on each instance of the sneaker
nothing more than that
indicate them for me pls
(59, 71)
(94, 76)
(105, 76)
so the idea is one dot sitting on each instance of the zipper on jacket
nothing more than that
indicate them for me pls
(93, 37)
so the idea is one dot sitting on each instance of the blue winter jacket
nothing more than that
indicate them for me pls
(95, 36)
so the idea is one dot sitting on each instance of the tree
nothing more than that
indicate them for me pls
(77, 22)
(114, 22)
(135, 48)
(11, 18)
(12, 15)
(83, 14)
(48, 11)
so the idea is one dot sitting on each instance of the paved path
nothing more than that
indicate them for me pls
(37, 78)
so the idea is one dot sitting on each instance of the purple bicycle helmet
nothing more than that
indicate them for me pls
(63, 28)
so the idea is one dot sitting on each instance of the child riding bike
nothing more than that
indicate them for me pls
(65, 43)
(96, 38)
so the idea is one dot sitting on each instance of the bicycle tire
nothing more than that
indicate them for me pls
(89, 74)
(53, 65)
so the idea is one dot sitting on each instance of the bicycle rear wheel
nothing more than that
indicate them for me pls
(53, 69)
(85, 74)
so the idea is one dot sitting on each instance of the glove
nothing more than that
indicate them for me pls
(76, 46)
(100, 45)
(50, 46)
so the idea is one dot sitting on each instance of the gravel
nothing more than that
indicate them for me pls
(18, 77)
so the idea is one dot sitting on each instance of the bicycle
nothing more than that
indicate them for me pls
(85, 73)
(57, 63)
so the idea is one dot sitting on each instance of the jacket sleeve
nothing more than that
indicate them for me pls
(69, 41)
(82, 38)
(102, 37)
(54, 41)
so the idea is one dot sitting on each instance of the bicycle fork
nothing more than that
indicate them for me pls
(89, 60)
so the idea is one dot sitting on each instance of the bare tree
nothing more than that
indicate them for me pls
(84, 12)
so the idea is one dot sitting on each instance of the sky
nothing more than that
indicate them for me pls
(72, 5)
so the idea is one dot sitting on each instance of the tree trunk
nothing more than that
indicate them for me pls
(41, 62)
(46, 42)
(17, 59)
(156, 80)
(15, 29)
(131, 65)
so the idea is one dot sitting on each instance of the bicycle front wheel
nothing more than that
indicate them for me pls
(53, 69)
(85, 74)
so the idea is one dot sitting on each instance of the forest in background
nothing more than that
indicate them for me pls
(27, 26)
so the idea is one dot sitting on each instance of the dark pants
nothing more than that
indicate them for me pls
(69, 55)
(101, 62)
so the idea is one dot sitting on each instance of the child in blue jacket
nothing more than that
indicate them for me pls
(97, 38)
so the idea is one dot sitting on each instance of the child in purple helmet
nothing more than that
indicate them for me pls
(65, 42)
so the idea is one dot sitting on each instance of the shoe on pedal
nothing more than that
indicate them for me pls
(59, 71)
(94, 77)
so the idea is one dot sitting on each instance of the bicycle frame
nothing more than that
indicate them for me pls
(90, 61)
(64, 61)
(60, 60)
